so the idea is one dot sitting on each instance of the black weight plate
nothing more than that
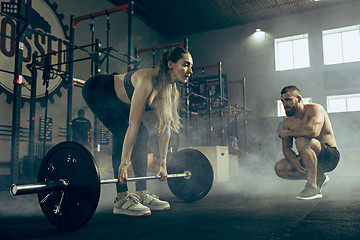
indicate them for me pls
(202, 175)
(72, 162)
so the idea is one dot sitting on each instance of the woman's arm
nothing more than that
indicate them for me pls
(141, 93)
(164, 139)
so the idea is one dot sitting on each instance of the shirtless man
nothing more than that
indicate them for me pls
(310, 125)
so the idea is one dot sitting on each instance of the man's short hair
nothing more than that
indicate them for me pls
(81, 112)
(290, 88)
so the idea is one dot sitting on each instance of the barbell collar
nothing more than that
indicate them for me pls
(186, 175)
(38, 187)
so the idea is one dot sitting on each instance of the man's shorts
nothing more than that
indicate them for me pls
(328, 158)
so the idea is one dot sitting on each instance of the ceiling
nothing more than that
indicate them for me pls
(174, 18)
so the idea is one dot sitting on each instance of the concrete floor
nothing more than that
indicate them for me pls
(253, 206)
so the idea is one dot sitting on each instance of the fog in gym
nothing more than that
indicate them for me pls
(251, 48)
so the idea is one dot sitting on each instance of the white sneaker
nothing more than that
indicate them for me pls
(153, 202)
(131, 206)
(322, 182)
(309, 193)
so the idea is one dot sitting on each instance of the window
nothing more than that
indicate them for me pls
(292, 52)
(341, 45)
(280, 107)
(343, 103)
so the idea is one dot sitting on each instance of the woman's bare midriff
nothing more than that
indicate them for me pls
(120, 89)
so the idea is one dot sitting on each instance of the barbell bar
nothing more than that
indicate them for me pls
(38, 187)
(16, 190)
(186, 175)
(69, 182)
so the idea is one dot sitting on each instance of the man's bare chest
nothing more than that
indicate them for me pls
(295, 123)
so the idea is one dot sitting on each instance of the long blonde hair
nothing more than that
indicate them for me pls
(168, 94)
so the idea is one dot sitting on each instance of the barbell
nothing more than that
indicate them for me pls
(69, 182)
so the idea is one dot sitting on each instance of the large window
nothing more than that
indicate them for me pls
(292, 52)
(341, 45)
(343, 103)
(280, 107)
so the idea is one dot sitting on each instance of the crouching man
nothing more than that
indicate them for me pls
(310, 126)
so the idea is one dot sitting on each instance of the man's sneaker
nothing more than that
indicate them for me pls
(322, 181)
(131, 206)
(309, 193)
(153, 202)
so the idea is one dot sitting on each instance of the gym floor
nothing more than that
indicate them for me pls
(251, 206)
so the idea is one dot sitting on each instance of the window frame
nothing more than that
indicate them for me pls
(345, 97)
(291, 39)
(327, 52)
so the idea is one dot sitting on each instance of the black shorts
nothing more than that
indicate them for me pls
(328, 158)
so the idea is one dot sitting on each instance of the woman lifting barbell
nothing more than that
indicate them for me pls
(119, 102)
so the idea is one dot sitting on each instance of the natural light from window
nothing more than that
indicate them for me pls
(292, 52)
(341, 45)
(343, 103)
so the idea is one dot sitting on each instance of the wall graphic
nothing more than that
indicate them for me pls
(41, 16)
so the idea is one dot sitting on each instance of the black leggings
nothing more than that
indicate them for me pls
(99, 94)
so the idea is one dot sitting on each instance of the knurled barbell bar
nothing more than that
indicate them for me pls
(68, 185)
(61, 185)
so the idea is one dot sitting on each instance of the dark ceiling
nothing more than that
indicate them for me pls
(174, 18)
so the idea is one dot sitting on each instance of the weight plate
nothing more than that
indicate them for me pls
(202, 175)
(72, 208)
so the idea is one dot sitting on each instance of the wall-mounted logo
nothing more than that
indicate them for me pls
(41, 16)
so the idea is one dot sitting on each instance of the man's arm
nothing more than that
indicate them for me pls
(287, 144)
(290, 155)
(287, 148)
(312, 128)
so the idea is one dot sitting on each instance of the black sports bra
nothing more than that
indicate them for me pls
(129, 88)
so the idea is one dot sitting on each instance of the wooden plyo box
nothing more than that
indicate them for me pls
(219, 159)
